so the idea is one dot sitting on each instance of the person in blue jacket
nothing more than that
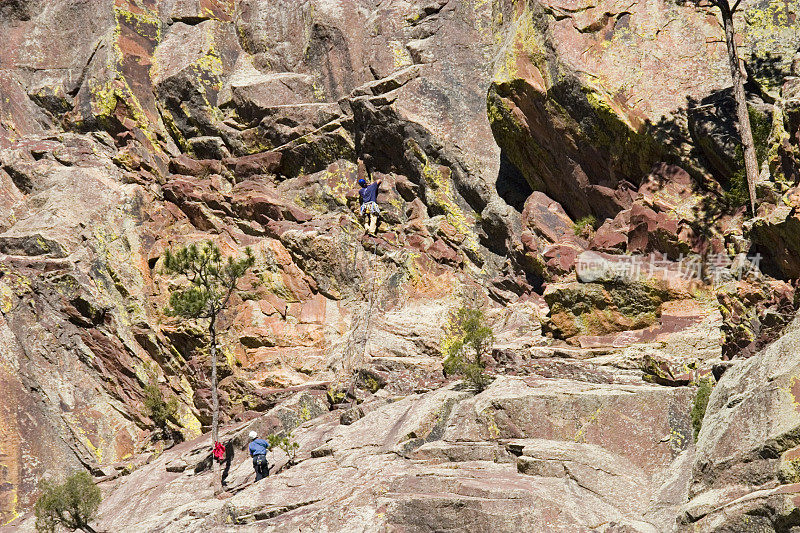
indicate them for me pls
(369, 203)
(258, 451)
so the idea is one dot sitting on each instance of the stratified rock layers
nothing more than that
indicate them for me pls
(512, 139)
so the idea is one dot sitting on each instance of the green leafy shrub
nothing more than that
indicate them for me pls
(584, 226)
(466, 341)
(71, 505)
(159, 410)
(700, 404)
(285, 442)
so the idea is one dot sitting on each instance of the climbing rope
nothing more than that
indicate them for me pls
(363, 266)
(372, 268)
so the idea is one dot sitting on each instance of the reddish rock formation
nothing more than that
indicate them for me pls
(131, 127)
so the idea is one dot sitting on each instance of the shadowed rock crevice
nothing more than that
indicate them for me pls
(511, 184)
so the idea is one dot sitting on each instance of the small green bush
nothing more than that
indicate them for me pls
(285, 442)
(700, 404)
(71, 505)
(584, 226)
(336, 395)
(466, 341)
(737, 193)
(159, 410)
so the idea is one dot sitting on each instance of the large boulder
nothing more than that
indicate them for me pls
(774, 233)
(745, 473)
(189, 66)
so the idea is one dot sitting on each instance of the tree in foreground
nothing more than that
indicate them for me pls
(466, 341)
(71, 505)
(210, 281)
(742, 115)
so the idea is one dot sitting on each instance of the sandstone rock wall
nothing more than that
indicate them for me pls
(131, 126)
(278, 116)
(585, 98)
(744, 472)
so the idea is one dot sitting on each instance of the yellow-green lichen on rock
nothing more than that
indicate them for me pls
(145, 22)
(6, 298)
(106, 99)
(621, 134)
(111, 97)
(195, 57)
(338, 180)
(599, 309)
(557, 124)
(523, 55)
(334, 184)
(771, 36)
(439, 194)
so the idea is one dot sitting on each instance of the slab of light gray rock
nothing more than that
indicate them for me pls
(409, 464)
(745, 464)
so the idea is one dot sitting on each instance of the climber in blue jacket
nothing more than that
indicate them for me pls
(369, 203)
(258, 451)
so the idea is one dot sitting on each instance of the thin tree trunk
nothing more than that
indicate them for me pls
(88, 529)
(214, 408)
(746, 133)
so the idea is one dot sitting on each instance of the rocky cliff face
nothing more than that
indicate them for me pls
(497, 128)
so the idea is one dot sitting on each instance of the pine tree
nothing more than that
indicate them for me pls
(742, 115)
(159, 410)
(71, 505)
(211, 281)
(467, 340)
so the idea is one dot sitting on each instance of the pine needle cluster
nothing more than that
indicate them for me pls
(212, 280)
